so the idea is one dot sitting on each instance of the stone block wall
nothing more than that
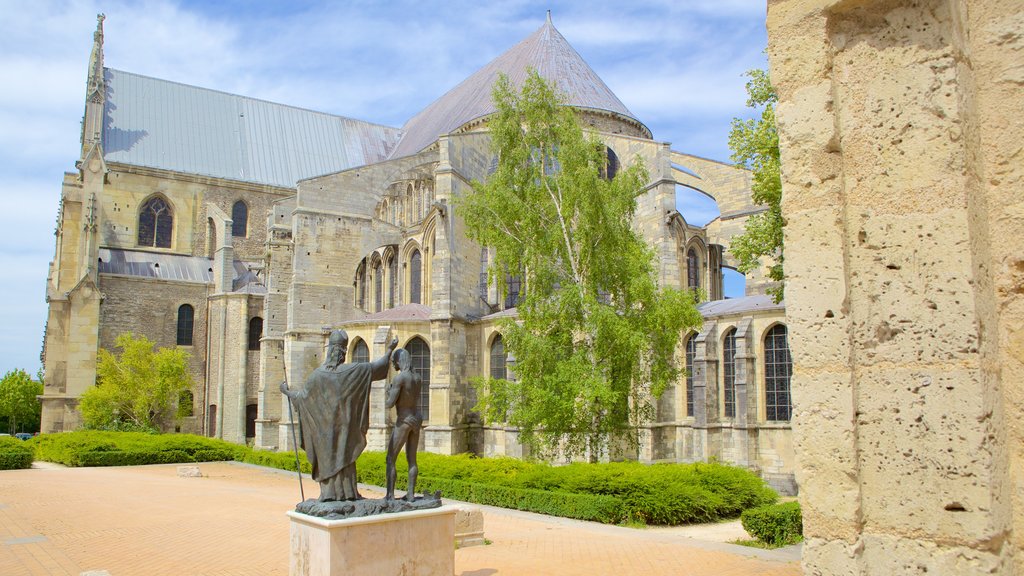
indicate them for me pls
(900, 132)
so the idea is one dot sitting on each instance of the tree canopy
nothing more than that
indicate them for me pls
(755, 145)
(18, 403)
(595, 337)
(137, 390)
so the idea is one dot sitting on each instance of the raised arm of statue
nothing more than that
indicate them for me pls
(380, 365)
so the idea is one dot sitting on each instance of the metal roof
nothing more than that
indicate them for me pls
(546, 51)
(740, 305)
(161, 124)
(174, 267)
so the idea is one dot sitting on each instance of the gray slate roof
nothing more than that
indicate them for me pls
(161, 124)
(174, 267)
(547, 51)
(740, 305)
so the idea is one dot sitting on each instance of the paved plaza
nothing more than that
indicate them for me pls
(146, 520)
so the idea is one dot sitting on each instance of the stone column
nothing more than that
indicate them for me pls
(901, 128)
(706, 438)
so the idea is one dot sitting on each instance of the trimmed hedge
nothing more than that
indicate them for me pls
(105, 448)
(776, 525)
(14, 454)
(662, 494)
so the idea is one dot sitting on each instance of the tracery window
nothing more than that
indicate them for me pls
(484, 257)
(729, 373)
(415, 277)
(514, 285)
(156, 223)
(419, 354)
(498, 358)
(378, 287)
(255, 332)
(239, 219)
(692, 269)
(360, 351)
(691, 353)
(393, 281)
(778, 367)
(186, 315)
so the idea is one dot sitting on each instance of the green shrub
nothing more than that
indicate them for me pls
(106, 448)
(775, 525)
(281, 460)
(14, 454)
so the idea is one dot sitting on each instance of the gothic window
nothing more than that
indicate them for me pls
(185, 404)
(186, 316)
(419, 353)
(255, 332)
(692, 269)
(155, 223)
(393, 281)
(378, 286)
(729, 373)
(251, 411)
(691, 353)
(611, 164)
(483, 273)
(415, 277)
(778, 367)
(360, 351)
(361, 285)
(513, 283)
(239, 219)
(498, 358)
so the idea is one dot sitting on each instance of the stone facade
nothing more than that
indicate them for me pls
(901, 134)
(379, 248)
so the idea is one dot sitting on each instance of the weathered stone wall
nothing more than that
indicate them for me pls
(149, 307)
(901, 133)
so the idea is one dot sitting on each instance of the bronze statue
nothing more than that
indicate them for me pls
(404, 393)
(334, 411)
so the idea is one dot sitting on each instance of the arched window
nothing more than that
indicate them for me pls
(691, 353)
(498, 358)
(378, 287)
(185, 404)
(255, 332)
(360, 351)
(514, 284)
(611, 164)
(251, 410)
(392, 281)
(361, 285)
(419, 353)
(239, 219)
(692, 269)
(729, 373)
(415, 277)
(186, 315)
(156, 223)
(778, 367)
(484, 257)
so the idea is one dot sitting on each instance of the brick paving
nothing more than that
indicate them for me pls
(145, 520)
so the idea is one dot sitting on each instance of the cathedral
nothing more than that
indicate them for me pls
(244, 231)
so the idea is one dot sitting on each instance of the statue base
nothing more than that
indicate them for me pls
(420, 543)
(341, 509)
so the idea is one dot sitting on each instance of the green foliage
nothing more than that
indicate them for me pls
(19, 406)
(279, 460)
(776, 525)
(663, 494)
(108, 448)
(14, 454)
(595, 338)
(137, 390)
(755, 145)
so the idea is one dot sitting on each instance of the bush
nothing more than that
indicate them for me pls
(663, 494)
(104, 448)
(14, 454)
(776, 525)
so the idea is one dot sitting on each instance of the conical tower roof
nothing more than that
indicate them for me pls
(546, 51)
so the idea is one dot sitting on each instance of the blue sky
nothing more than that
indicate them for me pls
(677, 65)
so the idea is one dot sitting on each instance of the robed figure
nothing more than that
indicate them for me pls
(334, 411)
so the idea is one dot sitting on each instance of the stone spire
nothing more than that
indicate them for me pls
(95, 93)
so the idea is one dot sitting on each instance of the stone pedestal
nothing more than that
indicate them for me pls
(420, 543)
